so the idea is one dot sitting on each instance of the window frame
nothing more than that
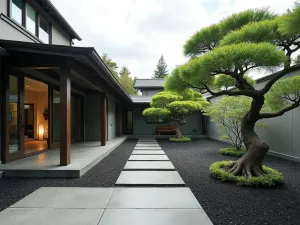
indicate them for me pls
(37, 18)
(157, 121)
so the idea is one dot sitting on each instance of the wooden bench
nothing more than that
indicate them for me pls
(166, 129)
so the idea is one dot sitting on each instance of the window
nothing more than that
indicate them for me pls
(16, 10)
(30, 19)
(44, 30)
(27, 16)
(156, 119)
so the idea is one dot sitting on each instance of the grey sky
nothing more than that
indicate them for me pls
(135, 33)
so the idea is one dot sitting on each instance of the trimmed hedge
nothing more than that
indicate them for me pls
(272, 178)
(232, 152)
(184, 139)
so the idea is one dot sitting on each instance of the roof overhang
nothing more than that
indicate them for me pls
(51, 9)
(85, 55)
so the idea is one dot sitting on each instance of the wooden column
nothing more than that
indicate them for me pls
(203, 124)
(4, 88)
(103, 119)
(65, 115)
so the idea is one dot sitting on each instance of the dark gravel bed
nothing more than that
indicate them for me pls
(231, 204)
(104, 174)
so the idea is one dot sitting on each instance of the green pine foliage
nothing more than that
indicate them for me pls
(174, 106)
(161, 69)
(126, 81)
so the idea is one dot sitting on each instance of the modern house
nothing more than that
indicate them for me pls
(52, 94)
(148, 125)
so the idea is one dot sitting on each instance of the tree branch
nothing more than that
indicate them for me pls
(280, 112)
(277, 76)
(249, 93)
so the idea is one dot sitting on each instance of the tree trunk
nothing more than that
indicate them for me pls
(250, 164)
(178, 132)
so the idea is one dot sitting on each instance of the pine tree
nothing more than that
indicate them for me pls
(126, 81)
(112, 66)
(161, 69)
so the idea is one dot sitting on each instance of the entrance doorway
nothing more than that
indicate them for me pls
(27, 117)
(35, 116)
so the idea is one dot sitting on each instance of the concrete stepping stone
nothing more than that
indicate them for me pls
(148, 158)
(155, 216)
(49, 216)
(149, 165)
(148, 152)
(147, 145)
(149, 178)
(147, 148)
(71, 197)
(152, 198)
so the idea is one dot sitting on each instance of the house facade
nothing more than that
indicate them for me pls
(52, 94)
(148, 125)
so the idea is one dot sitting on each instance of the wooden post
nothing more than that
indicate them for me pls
(103, 119)
(4, 76)
(65, 115)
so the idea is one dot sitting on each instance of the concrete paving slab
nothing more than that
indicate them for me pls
(149, 178)
(50, 216)
(148, 152)
(147, 145)
(84, 156)
(155, 216)
(148, 158)
(151, 198)
(148, 148)
(71, 197)
(147, 142)
(149, 165)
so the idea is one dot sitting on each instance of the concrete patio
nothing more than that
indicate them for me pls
(84, 156)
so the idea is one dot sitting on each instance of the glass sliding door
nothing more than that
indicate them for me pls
(55, 116)
(15, 117)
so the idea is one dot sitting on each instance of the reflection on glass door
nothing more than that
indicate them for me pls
(56, 116)
(14, 115)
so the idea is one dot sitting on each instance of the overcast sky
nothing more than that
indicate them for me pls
(135, 33)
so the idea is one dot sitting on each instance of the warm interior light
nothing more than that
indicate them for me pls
(41, 132)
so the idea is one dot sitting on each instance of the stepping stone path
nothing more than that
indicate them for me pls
(149, 192)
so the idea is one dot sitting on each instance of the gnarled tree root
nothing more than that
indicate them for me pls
(242, 168)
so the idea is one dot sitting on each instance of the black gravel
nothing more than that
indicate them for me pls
(231, 204)
(104, 174)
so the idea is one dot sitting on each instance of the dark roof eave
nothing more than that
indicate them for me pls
(64, 22)
(97, 59)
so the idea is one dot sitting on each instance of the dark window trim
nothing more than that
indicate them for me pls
(20, 28)
(23, 25)
(9, 2)
(156, 122)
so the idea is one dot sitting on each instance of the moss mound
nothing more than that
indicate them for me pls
(271, 178)
(184, 139)
(232, 152)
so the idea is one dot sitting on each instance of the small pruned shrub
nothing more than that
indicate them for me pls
(232, 152)
(184, 139)
(271, 178)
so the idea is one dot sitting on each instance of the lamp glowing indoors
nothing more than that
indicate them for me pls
(41, 132)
